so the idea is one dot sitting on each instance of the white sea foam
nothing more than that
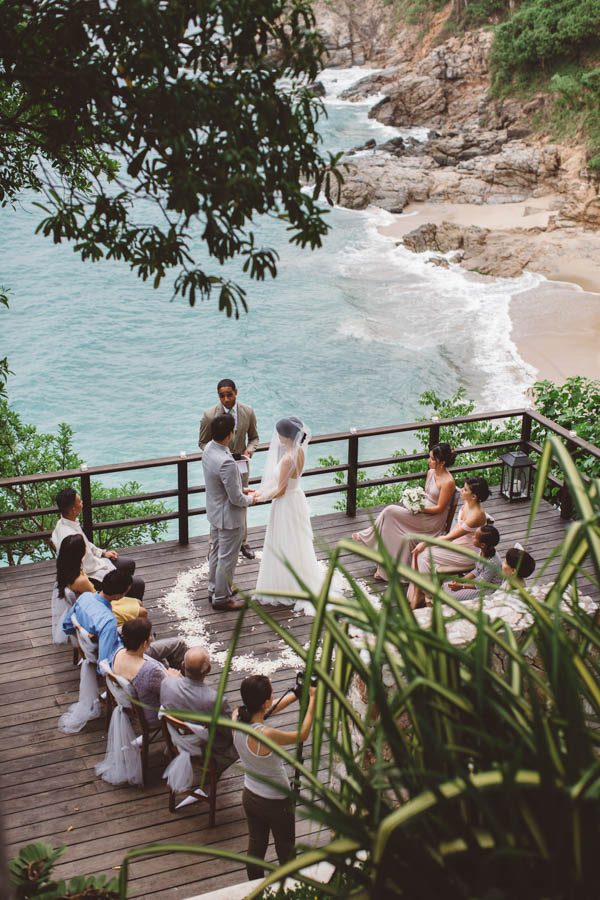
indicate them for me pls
(438, 313)
(336, 81)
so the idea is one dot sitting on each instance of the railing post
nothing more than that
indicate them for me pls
(434, 435)
(352, 473)
(567, 507)
(526, 422)
(87, 521)
(183, 501)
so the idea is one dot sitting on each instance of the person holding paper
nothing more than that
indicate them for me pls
(245, 436)
(226, 504)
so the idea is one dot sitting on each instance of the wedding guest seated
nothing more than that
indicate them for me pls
(94, 613)
(475, 491)
(71, 576)
(488, 569)
(125, 608)
(519, 564)
(191, 693)
(96, 562)
(144, 673)
(394, 523)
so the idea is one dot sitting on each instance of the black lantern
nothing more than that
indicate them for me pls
(517, 475)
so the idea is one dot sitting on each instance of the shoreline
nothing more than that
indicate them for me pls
(556, 325)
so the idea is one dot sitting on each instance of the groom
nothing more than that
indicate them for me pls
(226, 504)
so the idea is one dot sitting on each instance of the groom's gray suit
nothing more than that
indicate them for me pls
(226, 512)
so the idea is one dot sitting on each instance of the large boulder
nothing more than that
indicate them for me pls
(385, 182)
(445, 237)
(370, 84)
(461, 58)
(452, 147)
(415, 100)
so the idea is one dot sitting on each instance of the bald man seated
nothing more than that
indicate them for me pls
(191, 693)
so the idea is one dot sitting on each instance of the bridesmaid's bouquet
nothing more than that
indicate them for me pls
(413, 499)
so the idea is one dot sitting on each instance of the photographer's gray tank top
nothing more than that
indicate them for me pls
(271, 767)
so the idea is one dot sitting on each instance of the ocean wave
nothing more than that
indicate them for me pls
(426, 310)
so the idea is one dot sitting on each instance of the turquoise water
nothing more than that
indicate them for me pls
(349, 335)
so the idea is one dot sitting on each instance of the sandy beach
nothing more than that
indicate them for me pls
(556, 326)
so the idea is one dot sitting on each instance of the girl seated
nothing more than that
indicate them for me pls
(519, 564)
(471, 517)
(488, 569)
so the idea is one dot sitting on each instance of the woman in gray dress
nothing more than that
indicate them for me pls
(488, 569)
(395, 523)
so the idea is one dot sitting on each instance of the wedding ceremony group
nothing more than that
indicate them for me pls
(450, 562)
(157, 684)
(343, 638)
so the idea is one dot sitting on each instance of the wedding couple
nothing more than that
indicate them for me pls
(289, 533)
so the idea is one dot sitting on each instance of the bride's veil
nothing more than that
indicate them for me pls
(290, 435)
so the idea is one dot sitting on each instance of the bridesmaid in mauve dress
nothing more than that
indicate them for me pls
(394, 523)
(471, 517)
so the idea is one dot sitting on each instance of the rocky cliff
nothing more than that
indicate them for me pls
(480, 149)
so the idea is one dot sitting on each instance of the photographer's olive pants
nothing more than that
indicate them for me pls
(265, 815)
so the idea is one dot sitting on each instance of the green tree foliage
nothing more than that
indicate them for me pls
(26, 451)
(200, 107)
(31, 877)
(575, 405)
(578, 94)
(544, 33)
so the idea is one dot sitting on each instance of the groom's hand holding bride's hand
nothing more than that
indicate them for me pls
(252, 493)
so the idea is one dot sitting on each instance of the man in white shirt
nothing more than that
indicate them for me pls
(96, 562)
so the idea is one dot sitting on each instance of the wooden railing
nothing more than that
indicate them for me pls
(350, 487)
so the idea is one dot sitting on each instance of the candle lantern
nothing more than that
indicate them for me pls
(517, 475)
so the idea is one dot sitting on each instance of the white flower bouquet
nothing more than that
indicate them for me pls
(413, 499)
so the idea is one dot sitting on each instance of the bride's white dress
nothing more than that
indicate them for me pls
(289, 537)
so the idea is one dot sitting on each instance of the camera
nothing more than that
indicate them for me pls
(297, 689)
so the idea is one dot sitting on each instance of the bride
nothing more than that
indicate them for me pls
(289, 537)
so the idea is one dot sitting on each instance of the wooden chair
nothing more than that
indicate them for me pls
(172, 728)
(452, 507)
(149, 734)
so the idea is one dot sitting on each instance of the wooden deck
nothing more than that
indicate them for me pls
(47, 780)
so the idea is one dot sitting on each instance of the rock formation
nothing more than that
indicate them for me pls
(480, 149)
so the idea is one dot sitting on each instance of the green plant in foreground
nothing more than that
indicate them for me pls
(444, 769)
(31, 877)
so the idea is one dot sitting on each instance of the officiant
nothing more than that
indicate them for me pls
(245, 436)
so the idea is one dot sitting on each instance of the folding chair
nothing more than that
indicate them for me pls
(185, 740)
(122, 762)
(119, 687)
(88, 705)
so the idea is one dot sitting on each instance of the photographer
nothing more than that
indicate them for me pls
(266, 795)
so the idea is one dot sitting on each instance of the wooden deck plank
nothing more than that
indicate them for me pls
(47, 779)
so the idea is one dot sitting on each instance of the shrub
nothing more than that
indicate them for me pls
(31, 871)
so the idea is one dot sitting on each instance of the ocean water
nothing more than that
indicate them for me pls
(349, 335)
